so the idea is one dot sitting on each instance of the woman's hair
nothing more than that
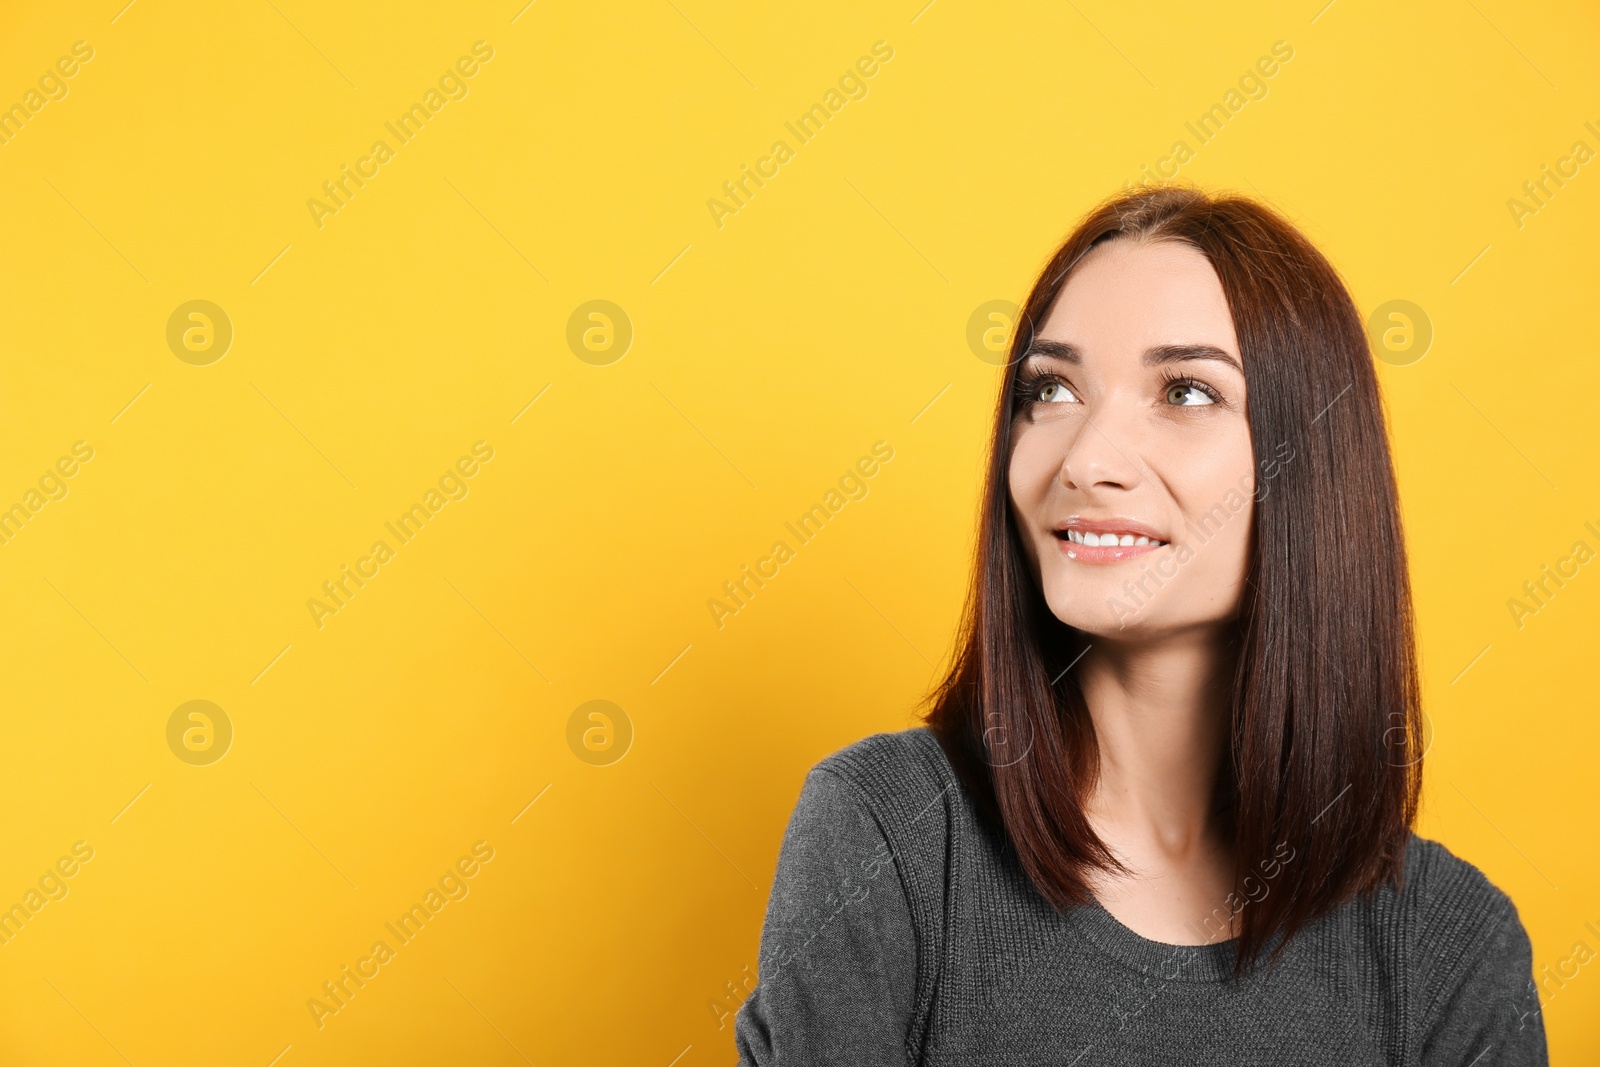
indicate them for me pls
(1325, 740)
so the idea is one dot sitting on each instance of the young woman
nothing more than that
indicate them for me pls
(1160, 810)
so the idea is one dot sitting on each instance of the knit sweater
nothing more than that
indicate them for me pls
(900, 931)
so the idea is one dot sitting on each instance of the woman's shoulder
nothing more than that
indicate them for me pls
(894, 769)
(1469, 960)
(1445, 892)
(1460, 933)
(902, 779)
(1441, 912)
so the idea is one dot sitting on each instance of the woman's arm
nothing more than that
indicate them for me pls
(838, 957)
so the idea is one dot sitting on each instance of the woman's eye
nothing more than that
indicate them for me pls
(1055, 392)
(1187, 394)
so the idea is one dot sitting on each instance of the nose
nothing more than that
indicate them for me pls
(1101, 455)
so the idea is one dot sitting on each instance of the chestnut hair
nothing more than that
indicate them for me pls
(1326, 722)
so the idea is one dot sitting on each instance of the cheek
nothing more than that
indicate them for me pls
(1034, 462)
(1021, 517)
(1219, 514)
(1229, 549)
(1212, 472)
(1027, 482)
(1207, 471)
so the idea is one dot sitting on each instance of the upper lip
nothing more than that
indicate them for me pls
(1114, 524)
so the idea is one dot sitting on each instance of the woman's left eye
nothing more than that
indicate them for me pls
(1187, 394)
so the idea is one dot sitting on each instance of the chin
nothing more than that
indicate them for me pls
(1105, 610)
(1103, 626)
(1095, 616)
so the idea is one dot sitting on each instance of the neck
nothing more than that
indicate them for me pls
(1161, 714)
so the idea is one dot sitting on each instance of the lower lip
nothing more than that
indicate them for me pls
(1103, 554)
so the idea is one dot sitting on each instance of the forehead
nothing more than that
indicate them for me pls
(1127, 294)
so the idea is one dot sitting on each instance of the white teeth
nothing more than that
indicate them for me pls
(1101, 540)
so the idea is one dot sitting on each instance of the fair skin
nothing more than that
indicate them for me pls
(1137, 428)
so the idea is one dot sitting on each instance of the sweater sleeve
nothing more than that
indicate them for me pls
(1492, 1017)
(837, 964)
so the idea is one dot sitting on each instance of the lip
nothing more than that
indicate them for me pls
(1104, 554)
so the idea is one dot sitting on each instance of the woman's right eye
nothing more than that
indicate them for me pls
(1053, 392)
(1035, 389)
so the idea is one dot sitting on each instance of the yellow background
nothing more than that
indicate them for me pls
(768, 355)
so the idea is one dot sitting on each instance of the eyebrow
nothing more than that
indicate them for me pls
(1153, 357)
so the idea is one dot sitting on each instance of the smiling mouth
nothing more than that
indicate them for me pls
(1106, 541)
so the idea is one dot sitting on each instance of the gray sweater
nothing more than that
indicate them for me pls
(899, 932)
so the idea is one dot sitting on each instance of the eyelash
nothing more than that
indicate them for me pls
(1029, 382)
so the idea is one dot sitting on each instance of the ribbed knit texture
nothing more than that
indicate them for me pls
(900, 931)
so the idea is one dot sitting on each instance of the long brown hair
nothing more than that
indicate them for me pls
(1326, 731)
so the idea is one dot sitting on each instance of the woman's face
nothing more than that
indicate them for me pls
(1132, 470)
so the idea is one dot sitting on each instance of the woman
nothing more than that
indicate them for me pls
(1160, 811)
